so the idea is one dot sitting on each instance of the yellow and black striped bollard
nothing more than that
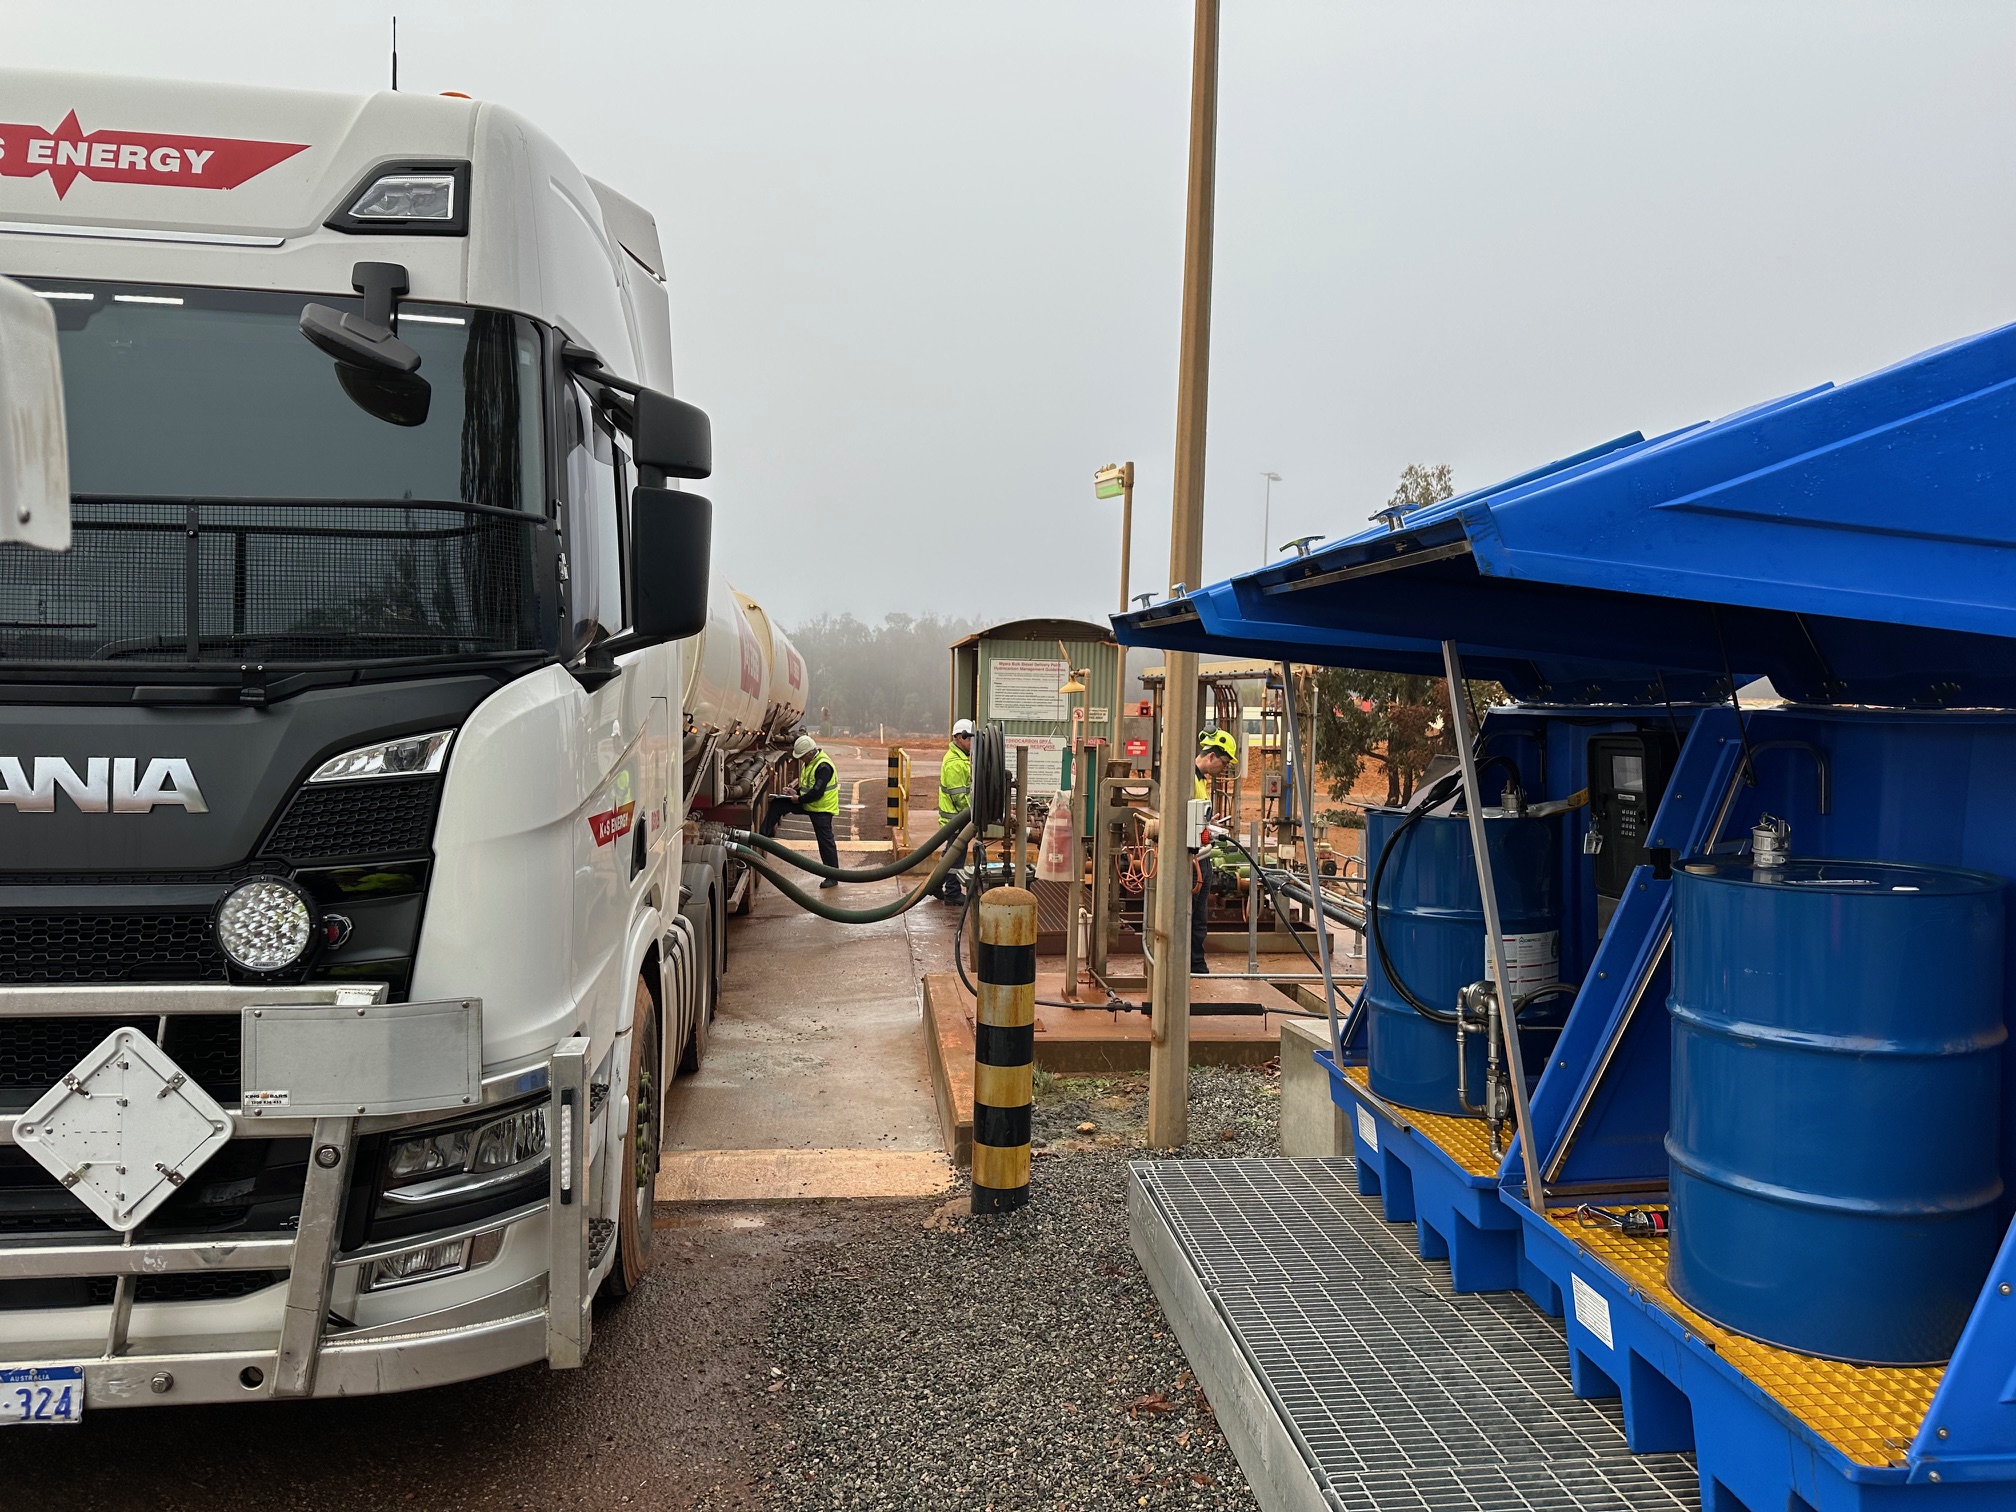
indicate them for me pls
(1004, 1048)
(899, 798)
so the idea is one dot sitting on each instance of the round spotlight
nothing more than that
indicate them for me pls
(265, 925)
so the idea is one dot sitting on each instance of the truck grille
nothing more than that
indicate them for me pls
(250, 1186)
(380, 819)
(63, 946)
(35, 1052)
(96, 1291)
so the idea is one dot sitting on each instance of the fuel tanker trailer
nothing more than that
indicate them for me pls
(744, 698)
(354, 913)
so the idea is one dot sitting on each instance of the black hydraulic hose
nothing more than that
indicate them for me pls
(1551, 989)
(1440, 1016)
(1114, 1001)
(989, 801)
(1372, 931)
(754, 860)
(1274, 893)
(882, 873)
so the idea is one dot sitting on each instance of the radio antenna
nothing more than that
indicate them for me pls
(395, 54)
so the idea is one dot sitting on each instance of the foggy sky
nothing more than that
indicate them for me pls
(926, 257)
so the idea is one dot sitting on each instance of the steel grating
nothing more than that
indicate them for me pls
(1402, 1396)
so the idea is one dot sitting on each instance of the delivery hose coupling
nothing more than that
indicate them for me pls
(1770, 842)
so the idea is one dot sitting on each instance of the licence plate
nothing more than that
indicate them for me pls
(42, 1396)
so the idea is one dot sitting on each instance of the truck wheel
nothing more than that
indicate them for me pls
(699, 913)
(639, 1155)
(715, 859)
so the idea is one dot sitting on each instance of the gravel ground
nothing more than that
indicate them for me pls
(937, 1361)
(783, 1356)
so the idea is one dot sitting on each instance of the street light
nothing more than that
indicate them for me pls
(1116, 481)
(1267, 515)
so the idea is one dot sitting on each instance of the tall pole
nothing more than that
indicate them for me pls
(1169, 1046)
(1126, 527)
(1461, 737)
(1267, 482)
(1114, 726)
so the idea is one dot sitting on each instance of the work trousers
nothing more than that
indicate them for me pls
(1200, 915)
(822, 827)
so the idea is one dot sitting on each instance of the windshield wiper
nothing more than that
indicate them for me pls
(117, 650)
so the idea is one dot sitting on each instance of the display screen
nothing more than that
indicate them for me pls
(1627, 774)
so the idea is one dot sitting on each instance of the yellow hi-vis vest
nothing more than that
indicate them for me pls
(827, 802)
(955, 783)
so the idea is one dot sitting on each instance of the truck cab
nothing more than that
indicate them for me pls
(347, 940)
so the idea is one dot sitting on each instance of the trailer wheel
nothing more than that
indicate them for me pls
(640, 1154)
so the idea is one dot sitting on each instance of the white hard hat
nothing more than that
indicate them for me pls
(962, 727)
(804, 746)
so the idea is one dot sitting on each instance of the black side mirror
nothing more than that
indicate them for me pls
(671, 559)
(673, 436)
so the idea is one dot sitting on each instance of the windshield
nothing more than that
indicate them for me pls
(233, 504)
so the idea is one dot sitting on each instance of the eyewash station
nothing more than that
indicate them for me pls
(1693, 1103)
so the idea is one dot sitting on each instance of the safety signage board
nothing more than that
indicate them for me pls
(1046, 760)
(1027, 689)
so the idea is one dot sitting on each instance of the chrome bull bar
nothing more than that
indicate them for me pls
(544, 1317)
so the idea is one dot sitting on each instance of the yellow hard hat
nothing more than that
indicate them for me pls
(1220, 741)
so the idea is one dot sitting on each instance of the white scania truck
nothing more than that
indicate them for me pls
(352, 919)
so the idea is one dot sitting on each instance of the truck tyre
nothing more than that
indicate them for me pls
(639, 1154)
(701, 912)
(715, 859)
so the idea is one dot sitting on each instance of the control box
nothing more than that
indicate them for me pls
(1627, 778)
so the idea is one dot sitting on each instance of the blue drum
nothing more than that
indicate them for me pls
(1431, 922)
(1837, 1040)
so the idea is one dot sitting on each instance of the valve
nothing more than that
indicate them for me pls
(1770, 842)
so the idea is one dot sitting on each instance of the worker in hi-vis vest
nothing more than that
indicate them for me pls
(1217, 754)
(818, 799)
(955, 797)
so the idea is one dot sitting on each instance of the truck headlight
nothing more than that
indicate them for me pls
(408, 756)
(427, 1261)
(408, 196)
(265, 924)
(437, 1164)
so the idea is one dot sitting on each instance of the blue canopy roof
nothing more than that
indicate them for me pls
(1855, 544)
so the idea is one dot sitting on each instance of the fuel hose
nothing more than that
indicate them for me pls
(1435, 796)
(988, 806)
(1266, 880)
(754, 860)
(882, 873)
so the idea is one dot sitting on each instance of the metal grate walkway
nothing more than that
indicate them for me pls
(1350, 1378)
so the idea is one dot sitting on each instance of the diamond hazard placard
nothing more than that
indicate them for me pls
(123, 1129)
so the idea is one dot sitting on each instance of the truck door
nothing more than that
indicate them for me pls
(620, 775)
